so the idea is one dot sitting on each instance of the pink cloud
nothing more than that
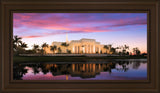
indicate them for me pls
(57, 23)
(136, 21)
(32, 36)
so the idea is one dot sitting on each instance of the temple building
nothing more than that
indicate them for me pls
(82, 46)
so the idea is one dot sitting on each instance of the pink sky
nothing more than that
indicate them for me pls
(108, 28)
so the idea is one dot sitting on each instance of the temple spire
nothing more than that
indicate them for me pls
(66, 77)
(66, 38)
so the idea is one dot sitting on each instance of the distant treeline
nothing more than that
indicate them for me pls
(19, 47)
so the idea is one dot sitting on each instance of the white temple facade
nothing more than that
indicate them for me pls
(82, 46)
(88, 46)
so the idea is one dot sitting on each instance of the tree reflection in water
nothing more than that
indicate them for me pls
(83, 70)
(18, 71)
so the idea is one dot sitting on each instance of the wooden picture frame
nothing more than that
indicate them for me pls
(151, 7)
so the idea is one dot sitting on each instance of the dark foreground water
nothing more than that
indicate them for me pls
(129, 69)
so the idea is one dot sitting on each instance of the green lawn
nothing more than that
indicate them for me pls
(17, 59)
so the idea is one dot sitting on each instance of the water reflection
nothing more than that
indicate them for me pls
(118, 70)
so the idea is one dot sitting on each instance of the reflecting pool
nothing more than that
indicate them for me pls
(128, 69)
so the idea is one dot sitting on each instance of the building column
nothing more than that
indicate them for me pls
(90, 66)
(84, 67)
(94, 49)
(73, 67)
(88, 48)
(99, 67)
(83, 49)
(66, 77)
(94, 68)
(99, 50)
(73, 49)
(76, 67)
(78, 49)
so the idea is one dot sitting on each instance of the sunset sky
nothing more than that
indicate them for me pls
(107, 28)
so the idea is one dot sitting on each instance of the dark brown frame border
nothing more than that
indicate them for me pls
(152, 7)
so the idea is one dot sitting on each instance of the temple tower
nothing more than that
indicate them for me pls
(67, 38)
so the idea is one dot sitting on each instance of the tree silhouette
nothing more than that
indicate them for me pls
(59, 50)
(44, 45)
(136, 51)
(16, 41)
(18, 45)
(24, 45)
(124, 49)
(106, 47)
(53, 48)
(65, 44)
(35, 48)
(113, 50)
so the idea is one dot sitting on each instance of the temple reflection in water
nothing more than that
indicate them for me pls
(82, 70)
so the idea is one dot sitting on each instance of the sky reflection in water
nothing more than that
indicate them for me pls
(119, 70)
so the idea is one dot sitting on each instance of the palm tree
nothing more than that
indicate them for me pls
(35, 47)
(21, 48)
(53, 48)
(68, 51)
(44, 45)
(59, 50)
(106, 46)
(16, 41)
(23, 45)
(136, 51)
(124, 49)
(65, 44)
(18, 45)
(113, 50)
